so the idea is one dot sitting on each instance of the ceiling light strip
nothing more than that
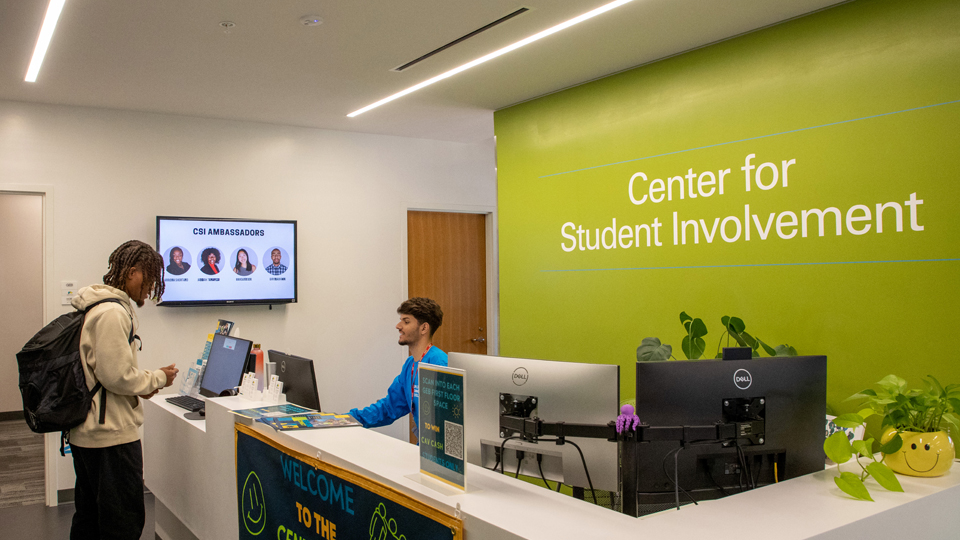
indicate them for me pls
(43, 41)
(590, 14)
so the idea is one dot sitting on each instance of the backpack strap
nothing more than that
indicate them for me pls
(103, 401)
(99, 387)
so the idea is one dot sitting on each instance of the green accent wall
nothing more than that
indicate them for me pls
(863, 103)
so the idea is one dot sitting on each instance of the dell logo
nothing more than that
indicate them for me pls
(520, 376)
(742, 379)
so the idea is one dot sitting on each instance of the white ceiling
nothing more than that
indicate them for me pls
(172, 56)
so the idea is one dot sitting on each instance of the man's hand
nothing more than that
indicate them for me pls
(171, 373)
(151, 394)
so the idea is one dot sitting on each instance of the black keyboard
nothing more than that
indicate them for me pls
(186, 402)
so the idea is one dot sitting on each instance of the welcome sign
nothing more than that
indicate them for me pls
(287, 495)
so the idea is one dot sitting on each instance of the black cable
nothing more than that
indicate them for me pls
(719, 487)
(743, 467)
(501, 451)
(676, 485)
(540, 466)
(519, 463)
(746, 466)
(585, 470)
(759, 472)
(753, 483)
(581, 460)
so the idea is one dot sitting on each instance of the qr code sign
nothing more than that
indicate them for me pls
(453, 439)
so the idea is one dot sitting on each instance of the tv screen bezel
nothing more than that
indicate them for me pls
(236, 302)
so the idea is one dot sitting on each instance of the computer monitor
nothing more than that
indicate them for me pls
(565, 391)
(298, 377)
(225, 365)
(787, 393)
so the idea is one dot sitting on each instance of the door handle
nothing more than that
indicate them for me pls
(478, 340)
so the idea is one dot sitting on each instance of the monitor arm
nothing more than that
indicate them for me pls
(532, 429)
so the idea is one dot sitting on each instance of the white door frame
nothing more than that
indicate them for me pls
(51, 445)
(492, 256)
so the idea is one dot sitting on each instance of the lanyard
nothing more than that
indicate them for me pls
(413, 373)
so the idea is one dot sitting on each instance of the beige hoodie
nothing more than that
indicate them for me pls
(110, 359)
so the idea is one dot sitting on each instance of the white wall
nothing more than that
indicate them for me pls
(113, 172)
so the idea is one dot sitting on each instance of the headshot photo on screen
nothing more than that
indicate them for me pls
(275, 257)
(178, 257)
(210, 261)
(243, 262)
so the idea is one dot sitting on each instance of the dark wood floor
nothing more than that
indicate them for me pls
(21, 465)
(22, 510)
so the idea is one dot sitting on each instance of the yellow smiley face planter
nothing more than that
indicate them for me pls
(922, 454)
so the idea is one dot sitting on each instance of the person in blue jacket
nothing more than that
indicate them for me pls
(419, 320)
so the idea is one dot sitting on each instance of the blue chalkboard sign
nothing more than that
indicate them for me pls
(283, 494)
(441, 424)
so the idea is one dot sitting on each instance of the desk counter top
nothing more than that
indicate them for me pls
(499, 506)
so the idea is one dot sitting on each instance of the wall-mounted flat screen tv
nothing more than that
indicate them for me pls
(215, 261)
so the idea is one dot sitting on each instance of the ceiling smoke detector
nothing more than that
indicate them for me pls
(311, 20)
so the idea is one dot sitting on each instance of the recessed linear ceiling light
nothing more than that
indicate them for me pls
(491, 56)
(43, 41)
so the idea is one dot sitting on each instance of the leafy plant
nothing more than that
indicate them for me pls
(932, 408)
(840, 450)
(925, 410)
(651, 350)
(735, 328)
(694, 346)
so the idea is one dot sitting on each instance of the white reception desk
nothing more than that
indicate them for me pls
(189, 467)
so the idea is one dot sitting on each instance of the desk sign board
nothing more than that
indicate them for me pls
(441, 424)
(284, 494)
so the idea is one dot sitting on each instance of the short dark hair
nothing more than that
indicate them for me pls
(139, 255)
(176, 249)
(424, 310)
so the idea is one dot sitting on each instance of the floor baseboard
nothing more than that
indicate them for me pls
(11, 415)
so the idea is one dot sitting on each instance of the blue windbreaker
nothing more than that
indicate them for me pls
(398, 403)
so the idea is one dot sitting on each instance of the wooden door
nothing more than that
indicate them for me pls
(447, 261)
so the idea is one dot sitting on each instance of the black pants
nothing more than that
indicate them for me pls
(109, 492)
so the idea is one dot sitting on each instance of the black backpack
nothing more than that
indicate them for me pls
(52, 383)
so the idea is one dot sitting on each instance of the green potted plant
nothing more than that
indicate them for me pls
(840, 449)
(916, 423)
(694, 346)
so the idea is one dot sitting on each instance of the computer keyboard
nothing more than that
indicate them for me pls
(186, 402)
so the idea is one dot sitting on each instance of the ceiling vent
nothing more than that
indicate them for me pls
(461, 39)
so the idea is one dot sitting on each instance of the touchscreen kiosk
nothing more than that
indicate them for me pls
(225, 365)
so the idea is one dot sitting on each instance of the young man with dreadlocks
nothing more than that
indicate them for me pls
(107, 457)
(419, 320)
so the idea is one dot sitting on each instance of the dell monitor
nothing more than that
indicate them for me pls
(225, 365)
(565, 391)
(786, 394)
(299, 379)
